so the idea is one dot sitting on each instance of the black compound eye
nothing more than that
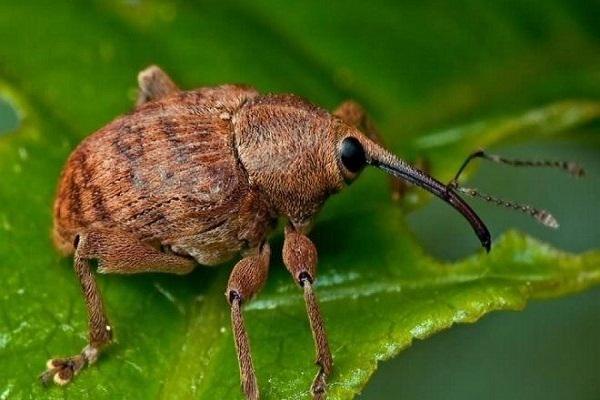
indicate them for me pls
(352, 154)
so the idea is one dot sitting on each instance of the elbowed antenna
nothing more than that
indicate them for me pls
(542, 216)
(381, 158)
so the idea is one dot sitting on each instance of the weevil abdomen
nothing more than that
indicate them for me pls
(167, 173)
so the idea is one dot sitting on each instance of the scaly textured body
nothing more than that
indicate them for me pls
(168, 173)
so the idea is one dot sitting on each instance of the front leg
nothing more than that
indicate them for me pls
(300, 258)
(246, 279)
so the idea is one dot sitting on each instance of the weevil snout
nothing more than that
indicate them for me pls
(355, 151)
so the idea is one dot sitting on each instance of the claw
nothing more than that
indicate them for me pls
(63, 377)
(62, 370)
(319, 385)
(46, 376)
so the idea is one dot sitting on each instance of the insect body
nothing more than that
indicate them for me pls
(196, 177)
(167, 175)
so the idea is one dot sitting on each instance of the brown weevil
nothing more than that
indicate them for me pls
(196, 177)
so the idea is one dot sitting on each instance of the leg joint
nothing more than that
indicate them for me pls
(304, 277)
(234, 295)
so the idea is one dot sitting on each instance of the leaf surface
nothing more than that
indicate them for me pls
(68, 68)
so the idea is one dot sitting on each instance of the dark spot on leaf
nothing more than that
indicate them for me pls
(9, 117)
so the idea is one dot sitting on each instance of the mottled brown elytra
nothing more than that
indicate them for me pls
(197, 177)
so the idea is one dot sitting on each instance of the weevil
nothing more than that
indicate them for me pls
(198, 177)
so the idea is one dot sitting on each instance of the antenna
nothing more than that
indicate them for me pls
(568, 166)
(542, 216)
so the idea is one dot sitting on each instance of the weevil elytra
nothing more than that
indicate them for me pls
(196, 177)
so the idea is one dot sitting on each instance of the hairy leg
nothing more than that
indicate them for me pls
(246, 279)
(300, 258)
(116, 252)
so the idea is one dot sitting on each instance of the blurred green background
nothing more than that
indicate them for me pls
(417, 66)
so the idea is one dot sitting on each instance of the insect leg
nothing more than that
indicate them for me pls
(154, 83)
(246, 279)
(116, 252)
(355, 115)
(119, 252)
(62, 370)
(300, 258)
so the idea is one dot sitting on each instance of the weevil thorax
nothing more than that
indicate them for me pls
(289, 149)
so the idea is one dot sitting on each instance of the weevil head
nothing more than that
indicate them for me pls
(298, 155)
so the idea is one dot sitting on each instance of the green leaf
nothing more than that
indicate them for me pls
(68, 68)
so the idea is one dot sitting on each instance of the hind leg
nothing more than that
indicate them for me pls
(116, 252)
